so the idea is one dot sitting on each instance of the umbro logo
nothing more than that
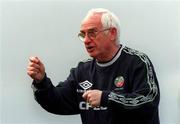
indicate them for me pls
(85, 85)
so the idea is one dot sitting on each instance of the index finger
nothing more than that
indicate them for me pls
(34, 59)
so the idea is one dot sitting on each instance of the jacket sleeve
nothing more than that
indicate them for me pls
(61, 99)
(143, 96)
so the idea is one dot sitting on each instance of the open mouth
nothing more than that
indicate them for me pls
(90, 48)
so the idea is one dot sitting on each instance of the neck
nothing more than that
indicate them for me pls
(109, 54)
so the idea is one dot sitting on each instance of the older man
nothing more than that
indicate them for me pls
(117, 86)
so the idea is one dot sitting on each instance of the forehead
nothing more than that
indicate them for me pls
(91, 22)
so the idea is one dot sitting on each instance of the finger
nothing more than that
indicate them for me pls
(33, 69)
(31, 74)
(90, 100)
(34, 65)
(34, 59)
(89, 97)
(38, 60)
(86, 94)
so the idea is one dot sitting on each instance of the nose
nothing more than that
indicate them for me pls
(87, 40)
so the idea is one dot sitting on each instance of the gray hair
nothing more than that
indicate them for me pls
(108, 20)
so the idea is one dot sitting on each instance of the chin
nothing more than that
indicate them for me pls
(92, 55)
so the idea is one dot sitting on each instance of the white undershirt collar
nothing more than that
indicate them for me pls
(113, 60)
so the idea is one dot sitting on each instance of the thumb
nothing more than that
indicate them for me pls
(34, 59)
(38, 60)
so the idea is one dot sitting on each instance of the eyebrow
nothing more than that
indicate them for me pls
(90, 30)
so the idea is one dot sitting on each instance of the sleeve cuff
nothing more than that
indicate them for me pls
(104, 98)
(43, 84)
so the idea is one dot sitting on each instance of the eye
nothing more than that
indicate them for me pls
(82, 34)
(92, 34)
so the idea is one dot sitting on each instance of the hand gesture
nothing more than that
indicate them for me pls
(35, 69)
(93, 97)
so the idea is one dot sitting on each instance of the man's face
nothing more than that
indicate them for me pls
(96, 41)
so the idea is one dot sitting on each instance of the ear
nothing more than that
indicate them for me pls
(113, 33)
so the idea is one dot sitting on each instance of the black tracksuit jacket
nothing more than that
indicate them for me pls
(130, 91)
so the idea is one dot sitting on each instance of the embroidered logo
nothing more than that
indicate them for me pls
(85, 85)
(119, 81)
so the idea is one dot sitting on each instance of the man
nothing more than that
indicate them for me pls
(117, 86)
